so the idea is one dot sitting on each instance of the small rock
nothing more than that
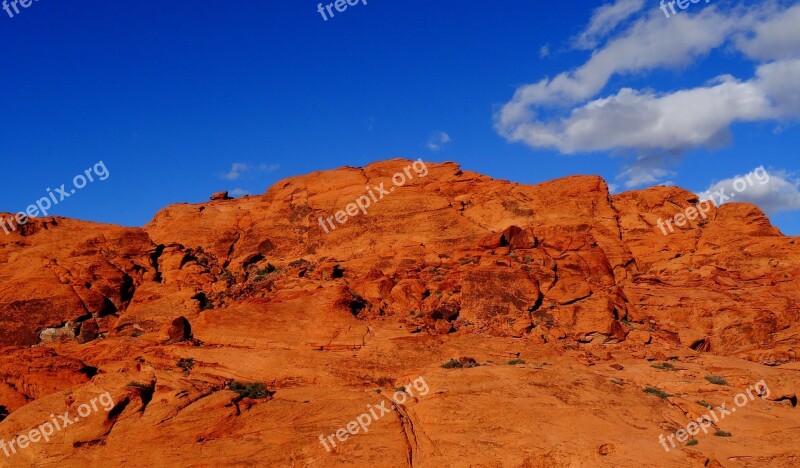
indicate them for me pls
(89, 331)
(605, 449)
(221, 196)
(639, 336)
(180, 330)
(617, 366)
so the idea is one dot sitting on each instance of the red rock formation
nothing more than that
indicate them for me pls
(580, 286)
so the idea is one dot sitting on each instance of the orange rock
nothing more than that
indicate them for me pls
(639, 336)
(562, 275)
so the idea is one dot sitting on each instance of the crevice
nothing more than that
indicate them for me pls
(791, 399)
(701, 345)
(89, 371)
(154, 256)
(407, 427)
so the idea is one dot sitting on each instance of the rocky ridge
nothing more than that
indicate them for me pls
(577, 287)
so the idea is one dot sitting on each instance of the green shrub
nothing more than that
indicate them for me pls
(658, 392)
(516, 361)
(692, 442)
(384, 381)
(704, 404)
(468, 363)
(467, 261)
(716, 380)
(254, 390)
(264, 272)
(664, 366)
(186, 364)
(461, 363)
(452, 364)
(721, 433)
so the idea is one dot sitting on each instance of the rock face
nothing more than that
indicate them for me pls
(220, 196)
(579, 289)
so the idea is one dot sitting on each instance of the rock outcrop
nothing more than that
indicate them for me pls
(578, 288)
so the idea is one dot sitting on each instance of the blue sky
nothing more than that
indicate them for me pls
(183, 98)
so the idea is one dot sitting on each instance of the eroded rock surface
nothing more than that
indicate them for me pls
(564, 295)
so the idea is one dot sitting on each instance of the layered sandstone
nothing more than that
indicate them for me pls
(560, 275)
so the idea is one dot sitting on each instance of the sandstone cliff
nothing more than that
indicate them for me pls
(578, 289)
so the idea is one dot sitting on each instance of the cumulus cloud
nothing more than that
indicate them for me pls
(645, 120)
(437, 141)
(646, 170)
(773, 191)
(605, 19)
(565, 112)
(776, 37)
(238, 170)
(649, 44)
(238, 192)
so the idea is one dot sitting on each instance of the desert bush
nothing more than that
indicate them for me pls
(657, 392)
(264, 272)
(716, 380)
(452, 364)
(664, 366)
(254, 390)
(186, 364)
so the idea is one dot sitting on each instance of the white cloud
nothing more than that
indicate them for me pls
(268, 167)
(544, 51)
(646, 121)
(437, 141)
(238, 192)
(568, 114)
(649, 44)
(605, 19)
(238, 170)
(773, 191)
(777, 37)
(646, 170)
